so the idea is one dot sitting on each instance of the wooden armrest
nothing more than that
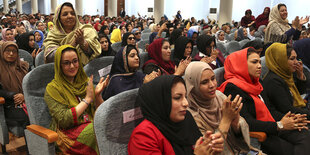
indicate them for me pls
(49, 135)
(261, 136)
(2, 100)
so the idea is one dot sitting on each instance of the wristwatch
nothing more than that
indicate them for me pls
(280, 125)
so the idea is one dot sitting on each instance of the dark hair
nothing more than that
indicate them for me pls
(256, 44)
(126, 26)
(252, 28)
(176, 33)
(281, 4)
(176, 80)
(69, 49)
(165, 40)
(289, 50)
(125, 37)
(248, 12)
(128, 49)
(250, 51)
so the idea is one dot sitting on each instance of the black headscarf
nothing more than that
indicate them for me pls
(204, 41)
(110, 51)
(125, 37)
(101, 31)
(179, 49)
(176, 33)
(23, 42)
(111, 28)
(155, 100)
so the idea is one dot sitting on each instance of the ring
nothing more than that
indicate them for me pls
(236, 108)
(295, 125)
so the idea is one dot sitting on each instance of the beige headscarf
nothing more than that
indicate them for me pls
(209, 110)
(276, 26)
(58, 37)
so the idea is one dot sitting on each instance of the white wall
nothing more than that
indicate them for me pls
(240, 6)
(133, 7)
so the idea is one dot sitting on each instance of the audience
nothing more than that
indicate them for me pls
(183, 49)
(106, 49)
(38, 37)
(26, 42)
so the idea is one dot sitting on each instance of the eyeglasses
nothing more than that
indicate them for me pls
(9, 51)
(131, 38)
(137, 33)
(67, 63)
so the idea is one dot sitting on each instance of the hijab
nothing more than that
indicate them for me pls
(176, 33)
(50, 25)
(23, 42)
(262, 19)
(125, 37)
(209, 109)
(204, 41)
(116, 36)
(241, 34)
(42, 38)
(110, 51)
(155, 100)
(180, 46)
(101, 31)
(236, 72)
(12, 74)
(4, 34)
(58, 37)
(155, 54)
(152, 37)
(276, 61)
(62, 90)
(302, 48)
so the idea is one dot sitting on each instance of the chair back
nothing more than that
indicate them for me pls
(114, 121)
(146, 30)
(142, 43)
(219, 75)
(232, 46)
(243, 42)
(39, 59)
(145, 36)
(96, 67)
(264, 67)
(26, 56)
(222, 48)
(116, 46)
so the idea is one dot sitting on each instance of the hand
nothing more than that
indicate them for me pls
(79, 37)
(103, 83)
(296, 23)
(303, 21)
(289, 123)
(300, 70)
(214, 54)
(231, 109)
(163, 26)
(90, 90)
(235, 124)
(19, 98)
(209, 144)
(151, 76)
(301, 121)
(35, 52)
(182, 66)
(207, 59)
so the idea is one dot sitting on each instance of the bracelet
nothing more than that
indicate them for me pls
(85, 101)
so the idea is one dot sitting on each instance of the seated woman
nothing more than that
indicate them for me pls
(68, 30)
(213, 111)
(104, 30)
(128, 39)
(26, 42)
(116, 36)
(242, 34)
(207, 52)
(124, 75)
(72, 101)
(278, 28)
(183, 49)
(242, 72)
(13, 70)
(281, 88)
(38, 37)
(248, 20)
(159, 54)
(302, 49)
(220, 37)
(7, 35)
(106, 49)
(168, 128)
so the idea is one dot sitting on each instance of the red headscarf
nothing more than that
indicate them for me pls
(154, 51)
(262, 19)
(236, 72)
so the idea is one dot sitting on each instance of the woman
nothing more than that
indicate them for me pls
(242, 34)
(263, 18)
(106, 49)
(281, 88)
(112, 27)
(278, 28)
(68, 30)
(248, 20)
(7, 35)
(13, 70)
(168, 128)
(124, 75)
(159, 54)
(50, 26)
(242, 72)
(176, 33)
(104, 30)
(207, 52)
(72, 100)
(116, 36)
(302, 49)
(220, 37)
(213, 111)
(183, 49)
(192, 34)
(26, 42)
(260, 32)
(128, 39)
(38, 37)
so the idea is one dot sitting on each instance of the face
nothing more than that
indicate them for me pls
(129, 28)
(69, 64)
(188, 49)
(31, 41)
(131, 40)
(166, 51)
(292, 61)
(41, 27)
(171, 29)
(107, 31)
(254, 65)
(248, 15)
(185, 31)
(9, 35)
(283, 12)
(208, 84)
(123, 30)
(37, 36)
(228, 30)
(179, 102)
(210, 48)
(67, 17)
(245, 32)
(138, 35)
(194, 37)
(10, 54)
(266, 11)
(133, 59)
(221, 36)
(104, 44)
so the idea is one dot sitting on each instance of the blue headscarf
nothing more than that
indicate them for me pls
(302, 48)
(42, 38)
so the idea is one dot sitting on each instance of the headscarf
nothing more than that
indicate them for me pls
(122, 77)
(262, 19)
(101, 31)
(42, 38)
(152, 37)
(155, 100)
(217, 36)
(209, 110)
(191, 32)
(180, 46)
(302, 48)
(50, 25)
(12, 74)
(155, 54)
(96, 27)
(116, 36)
(236, 72)
(241, 35)
(125, 37)
(4, 34)
(176, 33)
(276, 61)
(58, 37)
(62, 90)
(204, 41)
(111, 28)
(23, 42)
(110, 51)
(275, 20)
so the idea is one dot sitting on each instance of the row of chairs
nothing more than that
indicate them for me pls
(233, 46)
